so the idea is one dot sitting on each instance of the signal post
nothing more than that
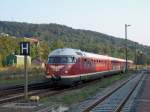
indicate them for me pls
(25, 50)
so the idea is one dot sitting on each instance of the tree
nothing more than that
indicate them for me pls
(57, 44)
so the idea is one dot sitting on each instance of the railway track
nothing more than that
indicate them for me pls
(51, 91)
(20, 88)
(16, 93)
(114, 100)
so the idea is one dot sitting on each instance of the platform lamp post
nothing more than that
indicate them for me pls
(126, 51)
(141, 59)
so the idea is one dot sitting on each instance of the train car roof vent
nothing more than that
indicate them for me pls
(79, 53)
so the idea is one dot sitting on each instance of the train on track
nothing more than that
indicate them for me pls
(68, 66)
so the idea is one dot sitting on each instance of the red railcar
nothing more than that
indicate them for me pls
(67, 66)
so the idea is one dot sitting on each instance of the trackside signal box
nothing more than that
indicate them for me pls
(24, 48)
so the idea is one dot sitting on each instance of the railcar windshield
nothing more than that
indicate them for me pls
(60, 59)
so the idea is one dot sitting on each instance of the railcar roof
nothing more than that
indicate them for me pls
(77, 52)
(65, 51)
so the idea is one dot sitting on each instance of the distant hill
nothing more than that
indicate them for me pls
(57, 36)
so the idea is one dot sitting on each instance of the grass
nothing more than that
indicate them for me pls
(15, 76)
(78, 95)
(9, 81)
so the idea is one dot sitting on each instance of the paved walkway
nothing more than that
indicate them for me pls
(144, 100)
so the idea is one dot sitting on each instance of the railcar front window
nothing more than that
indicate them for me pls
(56, 60)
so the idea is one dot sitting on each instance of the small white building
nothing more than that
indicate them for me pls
(19, 60)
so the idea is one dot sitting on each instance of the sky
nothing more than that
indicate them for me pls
(105, 16)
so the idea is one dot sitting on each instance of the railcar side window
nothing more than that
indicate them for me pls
(70, 59)
(50, 60)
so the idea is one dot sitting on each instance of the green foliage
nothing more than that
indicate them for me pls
(43, 50)
(57, 44)
(9, 46)
(58, 36)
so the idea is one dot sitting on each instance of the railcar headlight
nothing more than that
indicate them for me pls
(69, 66)
(66, 71)
(47, 72)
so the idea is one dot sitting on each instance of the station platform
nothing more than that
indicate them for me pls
(144, 98)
